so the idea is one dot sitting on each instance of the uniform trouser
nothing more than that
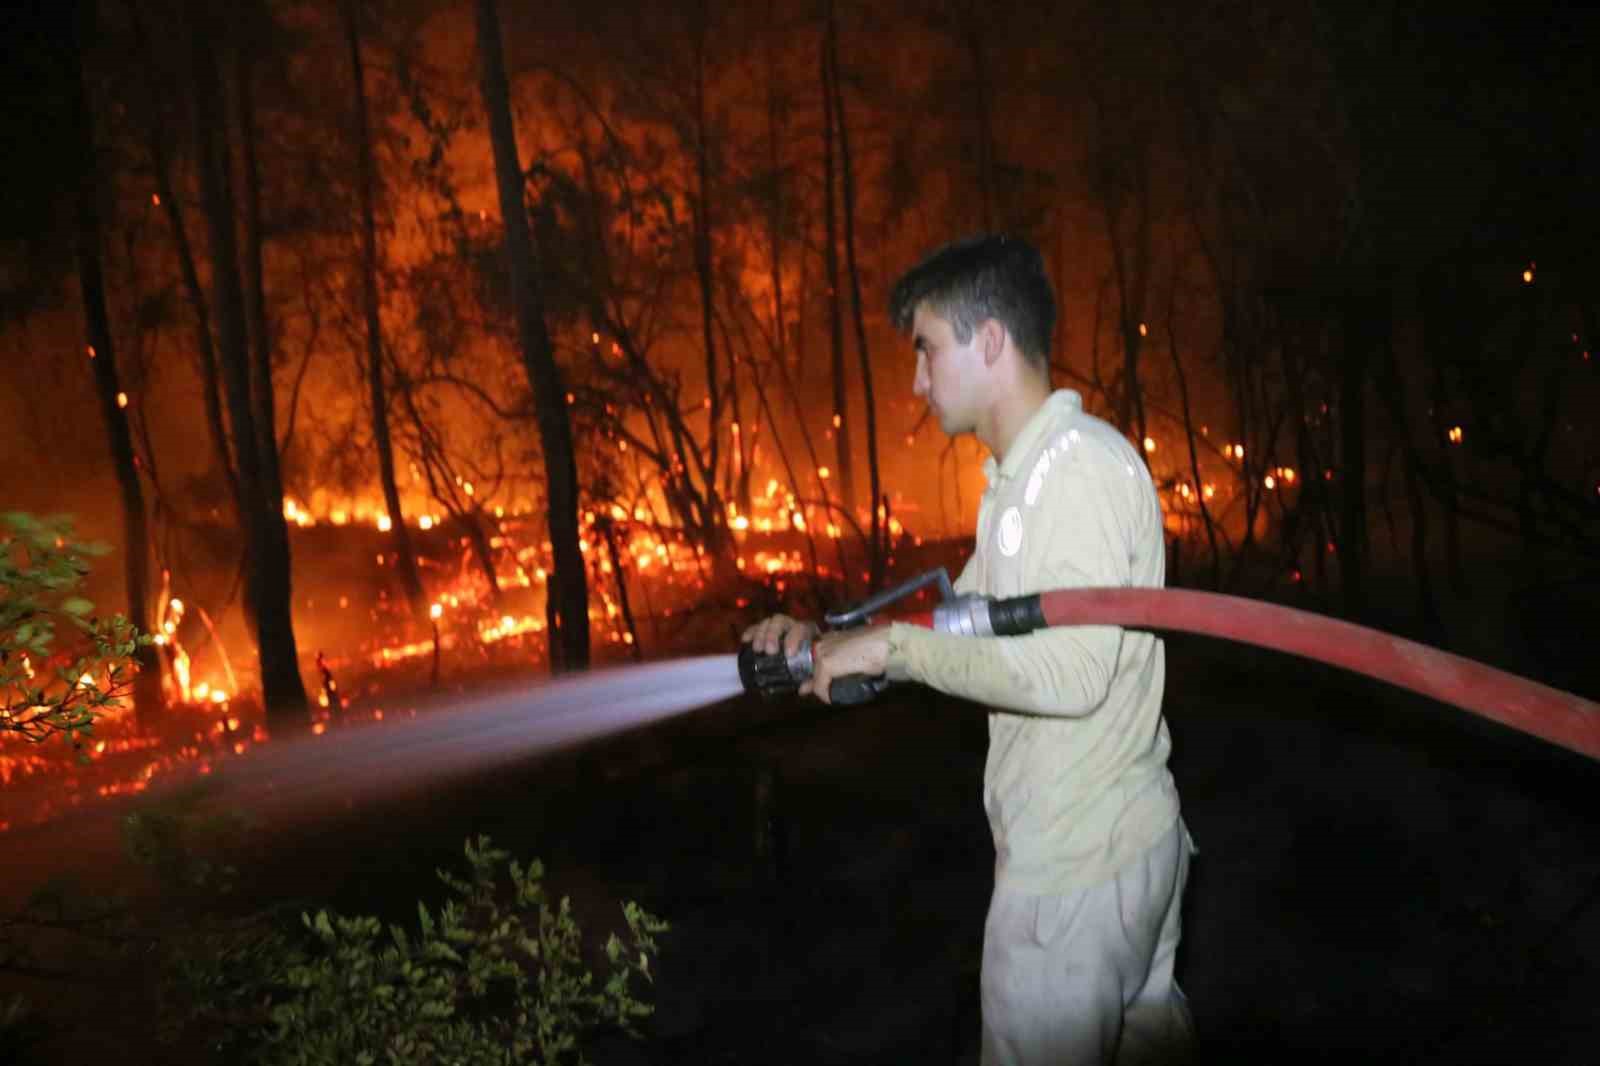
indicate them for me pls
(1086, 977)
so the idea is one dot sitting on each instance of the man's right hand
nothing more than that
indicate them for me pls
(780, 632)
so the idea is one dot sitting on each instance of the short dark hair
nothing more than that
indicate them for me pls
(990, 276)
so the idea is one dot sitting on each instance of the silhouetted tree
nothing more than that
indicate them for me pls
(567, 605)
(102, 350)
(377, 392)
(267, 564)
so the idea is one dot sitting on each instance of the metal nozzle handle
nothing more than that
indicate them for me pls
(858, 614)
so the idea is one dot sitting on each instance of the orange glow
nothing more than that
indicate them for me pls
(824, 473)
(1455, 435)
(1149, 444)
(122, 399)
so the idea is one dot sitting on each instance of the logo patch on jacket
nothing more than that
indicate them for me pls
(1009, 535)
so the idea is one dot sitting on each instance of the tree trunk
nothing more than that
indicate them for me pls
(482, 551)
(1363, 331)
(263, 400)
(263, 405)
(205, 350)
(705, 278)
(567, 610)
(841, 388)
(266, 542)
(1190, 439)
(91, 284)
(1396, 399)
(875, 547)
(976, 20)
(608, 530)
(377, 393)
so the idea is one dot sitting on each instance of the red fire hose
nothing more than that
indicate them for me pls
(1556, 716)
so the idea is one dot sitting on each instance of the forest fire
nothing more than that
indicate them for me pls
(367, 361)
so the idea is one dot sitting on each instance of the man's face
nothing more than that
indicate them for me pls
(949, 374)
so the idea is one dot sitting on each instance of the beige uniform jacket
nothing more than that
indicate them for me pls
(1076, 783)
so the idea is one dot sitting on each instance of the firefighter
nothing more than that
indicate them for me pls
(1091, 853)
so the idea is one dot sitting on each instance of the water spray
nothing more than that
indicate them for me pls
(1550, 714)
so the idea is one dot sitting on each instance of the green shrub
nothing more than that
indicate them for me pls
(497, 976)
(20, 1030)
(47, 691)
(186, 843)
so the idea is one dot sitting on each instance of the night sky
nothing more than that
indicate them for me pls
(1500, 96)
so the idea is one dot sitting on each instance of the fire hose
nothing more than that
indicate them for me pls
(1558, 717)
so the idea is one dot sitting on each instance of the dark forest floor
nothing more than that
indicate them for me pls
(1380, 879)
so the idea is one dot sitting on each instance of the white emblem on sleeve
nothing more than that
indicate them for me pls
(1010, 533)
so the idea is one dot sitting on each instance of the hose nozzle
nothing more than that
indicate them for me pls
(778, 674)
(774, 675)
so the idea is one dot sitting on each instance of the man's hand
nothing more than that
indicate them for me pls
(854, 651)
(779, 632)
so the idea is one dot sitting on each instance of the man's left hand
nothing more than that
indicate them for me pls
(855, 651)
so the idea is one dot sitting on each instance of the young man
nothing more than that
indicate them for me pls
(1091, 855)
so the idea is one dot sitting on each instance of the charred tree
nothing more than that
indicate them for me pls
(830, 258)
(567, 605)
(704, 268)
(108, 386)
(377, 392)
(267, 564)
(1366, 332)
(608, 531)
(875, 546)
(973, 21)
(1122, 186)
(263, 400)
(1191, 438)
(205, 349)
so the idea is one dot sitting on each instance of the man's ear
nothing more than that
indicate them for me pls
(991, 340)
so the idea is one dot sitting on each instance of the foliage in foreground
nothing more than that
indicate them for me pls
(498, 975)
(46, 691)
